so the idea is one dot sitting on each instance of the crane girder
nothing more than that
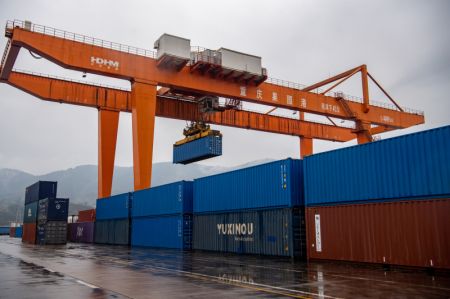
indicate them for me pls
(85, 57)
(108, 98)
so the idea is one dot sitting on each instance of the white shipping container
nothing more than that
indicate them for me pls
(240, 61)
(173, 46)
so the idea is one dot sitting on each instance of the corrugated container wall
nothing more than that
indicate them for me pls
(54, 209)
(167, 199)
(30, 212)
(415, 165)
(51, 232)
(163, 231)
(40, 190)
(18, 232)
(114, 207)
(29, 233)
(86, 216)
(114, 232)
(408, 233)
(275, 184)
(197, 150)
(278, 232)
(4, 230)
(81, 232)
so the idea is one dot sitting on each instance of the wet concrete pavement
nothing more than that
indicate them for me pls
(98, 271)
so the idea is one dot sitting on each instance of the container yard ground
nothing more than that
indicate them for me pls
(98, 271)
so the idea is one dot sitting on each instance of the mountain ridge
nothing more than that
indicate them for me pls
(79, 183)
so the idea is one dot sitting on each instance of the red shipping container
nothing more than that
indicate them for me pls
(29, 233)
(86, 216)
(408, 233)
(12, 232)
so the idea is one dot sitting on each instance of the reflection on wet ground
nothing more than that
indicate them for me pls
(19, 279)
(98, 271)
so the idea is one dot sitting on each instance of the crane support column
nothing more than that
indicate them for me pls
(363, 132)
(108, 122)
(143, 108)
(365, 88)
(306, 143)
(306, 147)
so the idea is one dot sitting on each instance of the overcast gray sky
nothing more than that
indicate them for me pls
(406, 45)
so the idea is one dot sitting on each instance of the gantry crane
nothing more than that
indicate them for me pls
(178, 85)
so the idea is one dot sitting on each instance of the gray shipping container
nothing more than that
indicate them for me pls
(277, 232)
(114, 232)
(51, 232)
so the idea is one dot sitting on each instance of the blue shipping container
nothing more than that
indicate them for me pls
(4, 230)
(275, 184)
(18, 232)
(30, 212)
(406, 167)
(114, 207)
(40, 190)
(165, 232)
(200, 149)
(175, 198)
(53, 209)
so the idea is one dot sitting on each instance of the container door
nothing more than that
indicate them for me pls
(101, 231)
(121, 232)
(187, 232)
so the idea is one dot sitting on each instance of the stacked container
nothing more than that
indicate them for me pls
(18, 231)
(52, 221)
(4, 230)
(256, 210)
(162, 216)
(112, 224)
(82, 231)
(33, 193)
(15, 230)
(12, 231)
(384, 202)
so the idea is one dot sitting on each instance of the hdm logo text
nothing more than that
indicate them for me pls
(101, 62)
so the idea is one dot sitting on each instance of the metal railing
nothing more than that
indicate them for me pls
(152, 54)
(5, 53)
(200, 54)
(285, 83)
(80, 38)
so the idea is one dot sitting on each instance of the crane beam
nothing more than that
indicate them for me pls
(79, 55)
(108, 98)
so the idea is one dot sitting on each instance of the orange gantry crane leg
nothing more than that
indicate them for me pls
(108, 122)
(143, 108)
(306, 147)
(306, 143)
